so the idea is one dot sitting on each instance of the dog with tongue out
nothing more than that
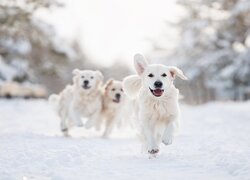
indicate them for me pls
(156, 97)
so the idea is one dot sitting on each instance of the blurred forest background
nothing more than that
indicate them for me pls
(212, 48)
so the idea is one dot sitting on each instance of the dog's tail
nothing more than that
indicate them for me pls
(132, 85)
(54, 100)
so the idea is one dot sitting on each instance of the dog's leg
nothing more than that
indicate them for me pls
(147, 130)
(77, 120)
(65, 132)
(63, 125)
(100, 122)
(92, 120)
(168, 135)
(63, 116)
(75, 117)
(159, 131)
(109, 127)
(151, 141)
(120, 123)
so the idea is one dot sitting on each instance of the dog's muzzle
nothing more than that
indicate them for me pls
(157, 92)
(85, 86)
(117, 98)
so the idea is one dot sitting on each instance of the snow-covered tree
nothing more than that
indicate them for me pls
(214, 50)
(30, 49)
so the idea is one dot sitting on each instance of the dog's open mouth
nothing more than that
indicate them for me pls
(116, 100)
(86, 87)
(157, 92)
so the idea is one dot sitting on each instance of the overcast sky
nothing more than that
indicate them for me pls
(112, 29)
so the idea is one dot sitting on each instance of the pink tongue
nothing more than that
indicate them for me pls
(158, 92)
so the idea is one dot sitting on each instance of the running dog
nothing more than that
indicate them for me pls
(82, 99)
(156, 97)
(113, 100)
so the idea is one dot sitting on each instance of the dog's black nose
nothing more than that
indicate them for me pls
(86, 82)
(158, 84)
(118, 96)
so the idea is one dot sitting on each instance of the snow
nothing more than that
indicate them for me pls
(213, 144)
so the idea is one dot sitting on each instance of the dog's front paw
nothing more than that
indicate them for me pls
(64, 129)
(153, 151)
(168, 140)
(65, 132)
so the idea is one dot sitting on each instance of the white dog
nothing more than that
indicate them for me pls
(113, 100)
(157, 101)
(82, 99)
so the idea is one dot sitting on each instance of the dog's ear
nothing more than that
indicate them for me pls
(99, 76)
(76, 72)
(174, 71)
(140, 63)
(132, 85)
(108, 83)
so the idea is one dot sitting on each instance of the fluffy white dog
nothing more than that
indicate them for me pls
(157, 107)
(82, 99)
(113, 100)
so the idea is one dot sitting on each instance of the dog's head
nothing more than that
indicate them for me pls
(156, 78)
(87, 80)
(114, 91)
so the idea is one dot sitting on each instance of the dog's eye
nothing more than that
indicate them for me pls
(92, 77)
(113, 89)
(121, 90)
(83, 77)
(164, 75)
(150, 75)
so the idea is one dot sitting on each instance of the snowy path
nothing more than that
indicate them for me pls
(214, 144)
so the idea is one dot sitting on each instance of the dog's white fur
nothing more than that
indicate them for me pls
(158, 116)
(80, 100)
(112, 105)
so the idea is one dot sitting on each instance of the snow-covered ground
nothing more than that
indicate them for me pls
(214, 143)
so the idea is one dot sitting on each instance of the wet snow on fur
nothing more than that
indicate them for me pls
(213, 144)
